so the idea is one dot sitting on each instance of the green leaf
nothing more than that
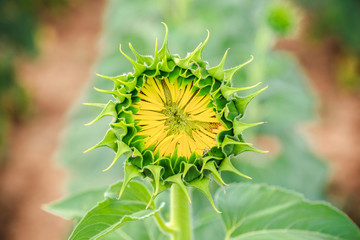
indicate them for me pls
(111, 214)
(149, 231)
(254, 211)
(77, 205)
(203, 186)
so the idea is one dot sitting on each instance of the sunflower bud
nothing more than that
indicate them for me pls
(175, 120)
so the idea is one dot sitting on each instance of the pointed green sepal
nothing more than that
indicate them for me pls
(239, 127)
(156, 171)
(109, 110)
(122, 149)
(104, 91)
(229, 141)
(118, 93)
(229, 73)
(186, 168)
(185, 62)
(156, 63)
(112, 79)
(156, 60)
(99, 105)
(242, 102)
(164, 65)
(200, 72)
(210, 165)
(228, 91)
(157, 71)
(235, 147)
(226, 165)
(177, 179)
(117, 80)
(190, 171)
(164, 52)
(203, 186)
(129, 85)
(142, 59)
(120, 128)
(206, 159)
(108, 141)
(122, 96)
(218, 71)
(130, 172)
(197, 57)
(138, 68)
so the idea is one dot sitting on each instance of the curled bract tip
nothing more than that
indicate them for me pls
(205, 42)
(208, 36)
(165, 25)
(166, 32)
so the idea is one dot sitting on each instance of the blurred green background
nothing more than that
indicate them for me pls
(247, 27)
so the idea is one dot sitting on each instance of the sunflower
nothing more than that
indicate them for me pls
(175, 120)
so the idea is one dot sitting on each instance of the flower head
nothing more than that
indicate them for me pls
(175, 120)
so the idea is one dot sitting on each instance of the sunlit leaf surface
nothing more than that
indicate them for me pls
(253, 211)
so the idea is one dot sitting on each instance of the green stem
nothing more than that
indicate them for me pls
(180, 214)
(162, 225)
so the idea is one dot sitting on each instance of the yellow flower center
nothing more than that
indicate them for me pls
(175, 118)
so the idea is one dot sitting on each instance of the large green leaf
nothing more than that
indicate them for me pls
(76, 206)
(253, 211)
(148, 226)
(149, 231)
(112, 213)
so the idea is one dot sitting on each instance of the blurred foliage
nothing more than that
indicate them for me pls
(18, 25)
(19, 21)
(282, 17)
(248, 28)
(338, 20)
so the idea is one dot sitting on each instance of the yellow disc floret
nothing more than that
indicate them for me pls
(175, 118)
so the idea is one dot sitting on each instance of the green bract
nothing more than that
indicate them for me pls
(124, 138)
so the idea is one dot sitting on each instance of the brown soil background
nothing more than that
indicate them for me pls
(68, 51)
(54, 79)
